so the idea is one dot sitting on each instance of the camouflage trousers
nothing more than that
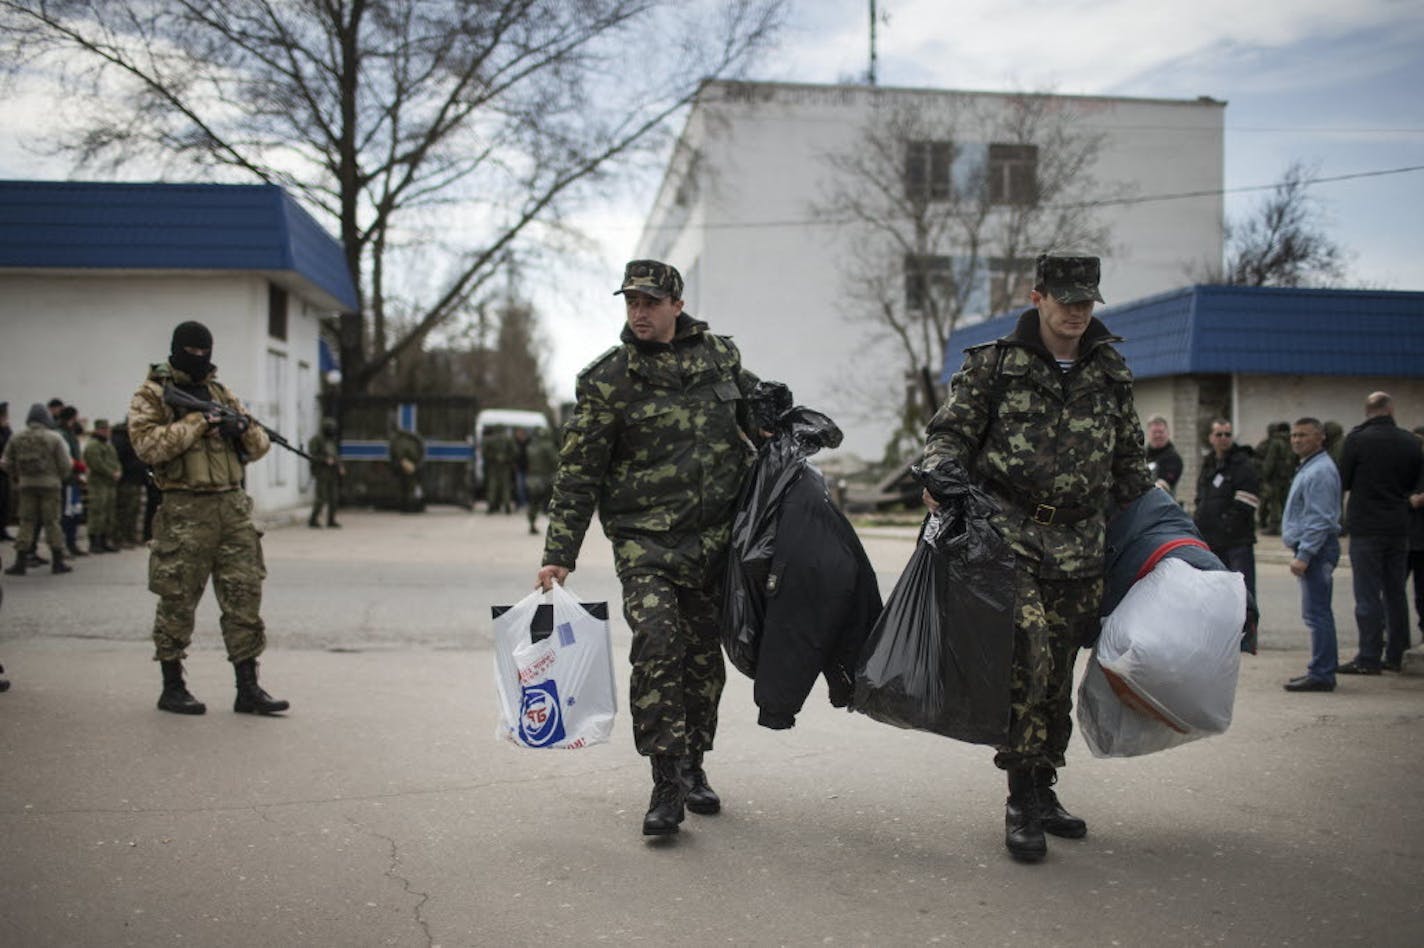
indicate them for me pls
(101, 502)
(538, 490)
(327, 488)
(196, 536)
(678, 671)
(1052, 619)
(39, 507)
(126, 513)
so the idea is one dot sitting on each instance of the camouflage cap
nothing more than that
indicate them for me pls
(101, 423)
(656, 279)
(1069, 279)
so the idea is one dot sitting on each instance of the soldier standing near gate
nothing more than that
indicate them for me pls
(326, 472)
(658, 444)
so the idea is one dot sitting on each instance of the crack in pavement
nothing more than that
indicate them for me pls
(405, 883)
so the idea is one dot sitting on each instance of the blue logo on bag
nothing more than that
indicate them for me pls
(541, 719)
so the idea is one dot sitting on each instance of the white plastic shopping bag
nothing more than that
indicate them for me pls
(1164, 669)
(553, 666)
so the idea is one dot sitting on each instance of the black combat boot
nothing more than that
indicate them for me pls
(1023, 831)
(98, 544)
(176, 697)
(312, 521)
(74, 550)
(18, 568)
(1051, 814)
(669, 793)
(331, 518)
(251, 699)
(57, 564)
(701, 798)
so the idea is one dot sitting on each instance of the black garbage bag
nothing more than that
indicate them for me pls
(940, 655)
(796, 433)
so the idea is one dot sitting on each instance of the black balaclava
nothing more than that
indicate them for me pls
(195, 335)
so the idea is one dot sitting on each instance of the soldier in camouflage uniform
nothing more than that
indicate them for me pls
(38, 460)
(1044, 419)
(102, 460)
(407, 452)
(326, 472)
(658, 444)
(1278, 463)
(498, 455)
(204, 527)
(543, 460)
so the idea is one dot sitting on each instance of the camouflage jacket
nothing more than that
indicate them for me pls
(1066, 439)
(102, 460)
(184, 453)
(37, 457)
(326, 456)
(657, 444)
(406, 446)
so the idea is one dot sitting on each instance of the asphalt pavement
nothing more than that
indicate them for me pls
(382, 810)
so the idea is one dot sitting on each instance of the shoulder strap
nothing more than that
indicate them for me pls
(996, 393)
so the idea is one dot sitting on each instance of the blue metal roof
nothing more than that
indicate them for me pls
(155, 226)
(1257, 330)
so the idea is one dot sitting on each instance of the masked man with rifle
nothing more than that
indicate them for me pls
(204, 527)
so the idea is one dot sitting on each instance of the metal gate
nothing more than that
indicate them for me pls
(445, 422)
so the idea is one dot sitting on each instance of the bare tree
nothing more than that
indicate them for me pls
(1283, 241)
(435, 134)
(953, 198)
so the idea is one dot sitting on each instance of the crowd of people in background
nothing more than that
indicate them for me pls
(1292, 484)
(75, 473)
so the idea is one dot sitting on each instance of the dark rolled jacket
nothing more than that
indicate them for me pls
(1228, 495)
(1379, 468)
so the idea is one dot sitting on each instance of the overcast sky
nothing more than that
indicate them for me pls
(1335, 83)
(1332, 82)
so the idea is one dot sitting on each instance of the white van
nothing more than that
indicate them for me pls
(510, 418)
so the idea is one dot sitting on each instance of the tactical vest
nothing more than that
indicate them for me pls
(211, 464)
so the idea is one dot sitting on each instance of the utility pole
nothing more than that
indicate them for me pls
(870, 76)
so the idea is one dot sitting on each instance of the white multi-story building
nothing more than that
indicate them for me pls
(741, 211)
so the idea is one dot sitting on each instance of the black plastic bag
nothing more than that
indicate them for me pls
(940, 655)
(796, 433)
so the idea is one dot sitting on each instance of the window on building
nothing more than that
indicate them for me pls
(926, 279)
(1013, 174)
(276, 312)
(927, 170)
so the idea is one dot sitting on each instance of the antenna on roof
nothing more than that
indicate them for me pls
(870, 75)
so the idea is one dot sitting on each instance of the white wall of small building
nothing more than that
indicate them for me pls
(89, 338)
(760, 269)
(1259, 401)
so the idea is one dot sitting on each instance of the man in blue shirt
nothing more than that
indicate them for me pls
(1310, 528)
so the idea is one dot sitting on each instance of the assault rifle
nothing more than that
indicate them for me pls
(231, 424)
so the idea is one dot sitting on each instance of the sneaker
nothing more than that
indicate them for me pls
(1355, 668)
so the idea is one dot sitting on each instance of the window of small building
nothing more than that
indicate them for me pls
(1009, 283)
(276, 312)
(927, 166)
(928, 280)
(1013, 175)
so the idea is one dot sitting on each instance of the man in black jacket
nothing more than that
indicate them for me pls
(1228, 496)
(1379, 469)
(1163, 461)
